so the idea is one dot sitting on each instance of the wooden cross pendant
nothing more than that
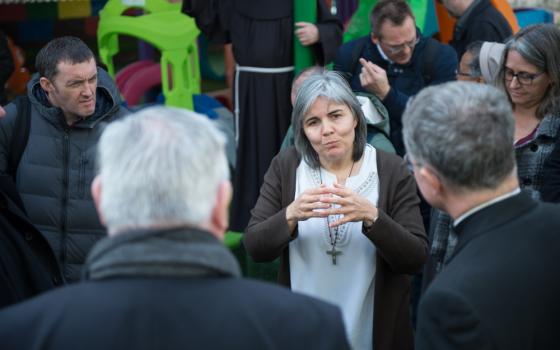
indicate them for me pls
(333, 253)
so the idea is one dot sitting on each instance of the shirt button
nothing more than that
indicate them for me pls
(534, 147)
(28, 236)
(527, 181)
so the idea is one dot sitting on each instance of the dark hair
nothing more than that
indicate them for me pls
(333, 87)
(395, 11)
(64, 49)
(539, 45)
(474, 65)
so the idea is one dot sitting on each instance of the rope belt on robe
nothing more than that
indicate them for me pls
(239, 69)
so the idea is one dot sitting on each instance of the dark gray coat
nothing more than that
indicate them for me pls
(56, 169)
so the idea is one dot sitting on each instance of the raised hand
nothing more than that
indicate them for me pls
(307, 205)
(350, 206)
(374, 79)
(307, 33)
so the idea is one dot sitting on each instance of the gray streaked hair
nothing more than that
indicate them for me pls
(539, 45)
(464, 131)
(333, 87)
(160, 167)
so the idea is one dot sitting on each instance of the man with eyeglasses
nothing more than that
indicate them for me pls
(395, 61)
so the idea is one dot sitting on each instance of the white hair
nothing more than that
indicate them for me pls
(160, 167)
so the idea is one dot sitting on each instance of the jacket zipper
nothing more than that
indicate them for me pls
(63, 208)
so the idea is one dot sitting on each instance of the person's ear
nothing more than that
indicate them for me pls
(96, 194)
(435, 185)
(220, 211)
(46, 84)
(374, 39)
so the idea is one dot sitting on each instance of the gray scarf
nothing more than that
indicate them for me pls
(178, 252)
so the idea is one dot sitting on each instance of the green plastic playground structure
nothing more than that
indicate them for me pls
(167, 29)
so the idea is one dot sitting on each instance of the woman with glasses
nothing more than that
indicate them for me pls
(530, 75)
(342, 216)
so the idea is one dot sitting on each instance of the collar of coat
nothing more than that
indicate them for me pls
(172, 253)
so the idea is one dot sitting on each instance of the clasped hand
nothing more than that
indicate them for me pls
(331, 200)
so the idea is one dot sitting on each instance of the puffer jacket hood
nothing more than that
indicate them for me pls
(57, 167)
(107, 101)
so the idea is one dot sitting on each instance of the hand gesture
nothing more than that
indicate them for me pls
(374, 79)
(307, 33)
(351, 205)
(307, 205)
(2, 112)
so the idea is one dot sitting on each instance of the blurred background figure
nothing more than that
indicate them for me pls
(6, 68)
(477, 20)
(261, 34)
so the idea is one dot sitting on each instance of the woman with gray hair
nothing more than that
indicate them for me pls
(530, 74)
(342, 216)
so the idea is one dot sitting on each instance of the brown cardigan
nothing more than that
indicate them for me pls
(398, 235)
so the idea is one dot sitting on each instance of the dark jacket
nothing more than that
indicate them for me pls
(550, 190)
(27, 263)
(480, 22)
(398, 235)
(169, 289)
(405, 80)
(500, 289)
(6, 66)
(56, 169)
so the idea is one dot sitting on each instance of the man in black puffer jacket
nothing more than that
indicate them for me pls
(70, 100)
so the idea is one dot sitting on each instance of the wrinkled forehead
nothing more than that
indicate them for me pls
(67, 70)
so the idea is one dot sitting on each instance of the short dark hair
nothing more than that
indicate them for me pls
(64, 49)
(395, 11)
(474, 65)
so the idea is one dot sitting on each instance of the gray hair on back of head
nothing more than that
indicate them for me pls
(464, 131)
(160, 167)
(333, 87)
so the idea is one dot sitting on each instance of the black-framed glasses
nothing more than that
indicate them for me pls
(395, 49)
(523, 78)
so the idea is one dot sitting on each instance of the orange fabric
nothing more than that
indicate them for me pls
(19, 78)
(506, 10)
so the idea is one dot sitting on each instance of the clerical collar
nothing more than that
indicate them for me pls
(383, 55)
(484, 205)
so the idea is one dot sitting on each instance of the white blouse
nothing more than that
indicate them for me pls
(350, 283)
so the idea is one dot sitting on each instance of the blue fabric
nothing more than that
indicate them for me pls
(206, 104)
(528, 16)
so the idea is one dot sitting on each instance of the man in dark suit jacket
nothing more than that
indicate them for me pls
(163, 279)
(499, 289)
